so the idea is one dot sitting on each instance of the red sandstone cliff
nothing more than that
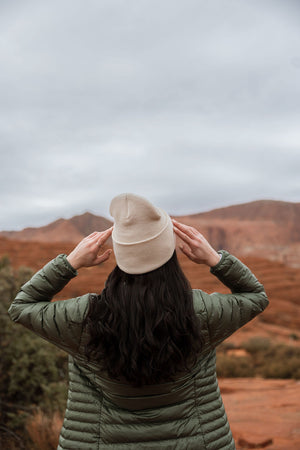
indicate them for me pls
(266, 228)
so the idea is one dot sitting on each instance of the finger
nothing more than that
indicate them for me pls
(183, 235)
(99, 237)
(190, 231)
(104, 235)
(104, 257)
(90, 236)
(186, 250)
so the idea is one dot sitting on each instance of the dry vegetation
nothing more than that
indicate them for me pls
(267, 347)
(44, 430)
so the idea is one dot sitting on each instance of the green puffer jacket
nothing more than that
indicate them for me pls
(106, 414)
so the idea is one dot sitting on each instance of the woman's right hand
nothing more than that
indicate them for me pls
(195, 246)
(86, 253)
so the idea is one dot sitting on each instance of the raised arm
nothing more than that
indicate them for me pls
(224, 313)
(59, 322)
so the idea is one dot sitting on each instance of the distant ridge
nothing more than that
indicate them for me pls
(62, 230)
(274, 210)
(264, 228)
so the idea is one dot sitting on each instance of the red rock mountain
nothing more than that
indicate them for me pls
(266, 228)
(62, 230)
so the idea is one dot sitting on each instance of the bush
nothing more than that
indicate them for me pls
(294, 337)
(257, 345)
(264, 359)
(32, 371)
(232, 366)
(281, 361)
(44, 430)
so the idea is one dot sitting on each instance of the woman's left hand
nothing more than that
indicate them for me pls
(86, 253)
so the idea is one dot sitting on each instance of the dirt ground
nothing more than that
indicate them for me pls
(263, 413)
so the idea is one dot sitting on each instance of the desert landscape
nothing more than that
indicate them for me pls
(265, 235)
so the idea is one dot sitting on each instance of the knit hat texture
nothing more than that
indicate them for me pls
(143, 237)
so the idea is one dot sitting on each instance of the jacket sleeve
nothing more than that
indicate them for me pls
(225, 313)
(59, 322)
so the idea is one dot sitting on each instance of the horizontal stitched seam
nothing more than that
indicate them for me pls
(75, 400)
(81, 420)
(73, 428)
(194, 416)
(158, 407)
(155, 440)
(226, 443)
(213, 430)
(212, 421)
(76, 440)
(211, 404)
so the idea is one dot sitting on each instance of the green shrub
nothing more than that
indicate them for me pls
(294, 337)
(32, 371)
(264, 359)
(231, 366)
(281, 361)
(257, 345)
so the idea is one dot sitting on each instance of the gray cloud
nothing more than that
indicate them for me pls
(194, 104)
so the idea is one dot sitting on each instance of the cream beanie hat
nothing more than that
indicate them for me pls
(143, 237)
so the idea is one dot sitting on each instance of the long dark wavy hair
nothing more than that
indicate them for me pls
(143, 327)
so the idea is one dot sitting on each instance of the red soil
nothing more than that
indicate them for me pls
(262, 413)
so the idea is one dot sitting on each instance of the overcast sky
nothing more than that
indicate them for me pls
(192, 103)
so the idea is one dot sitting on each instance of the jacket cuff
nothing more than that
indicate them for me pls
(224, 254)
(67, 267)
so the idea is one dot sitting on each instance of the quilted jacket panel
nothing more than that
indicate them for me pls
(106, 414)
